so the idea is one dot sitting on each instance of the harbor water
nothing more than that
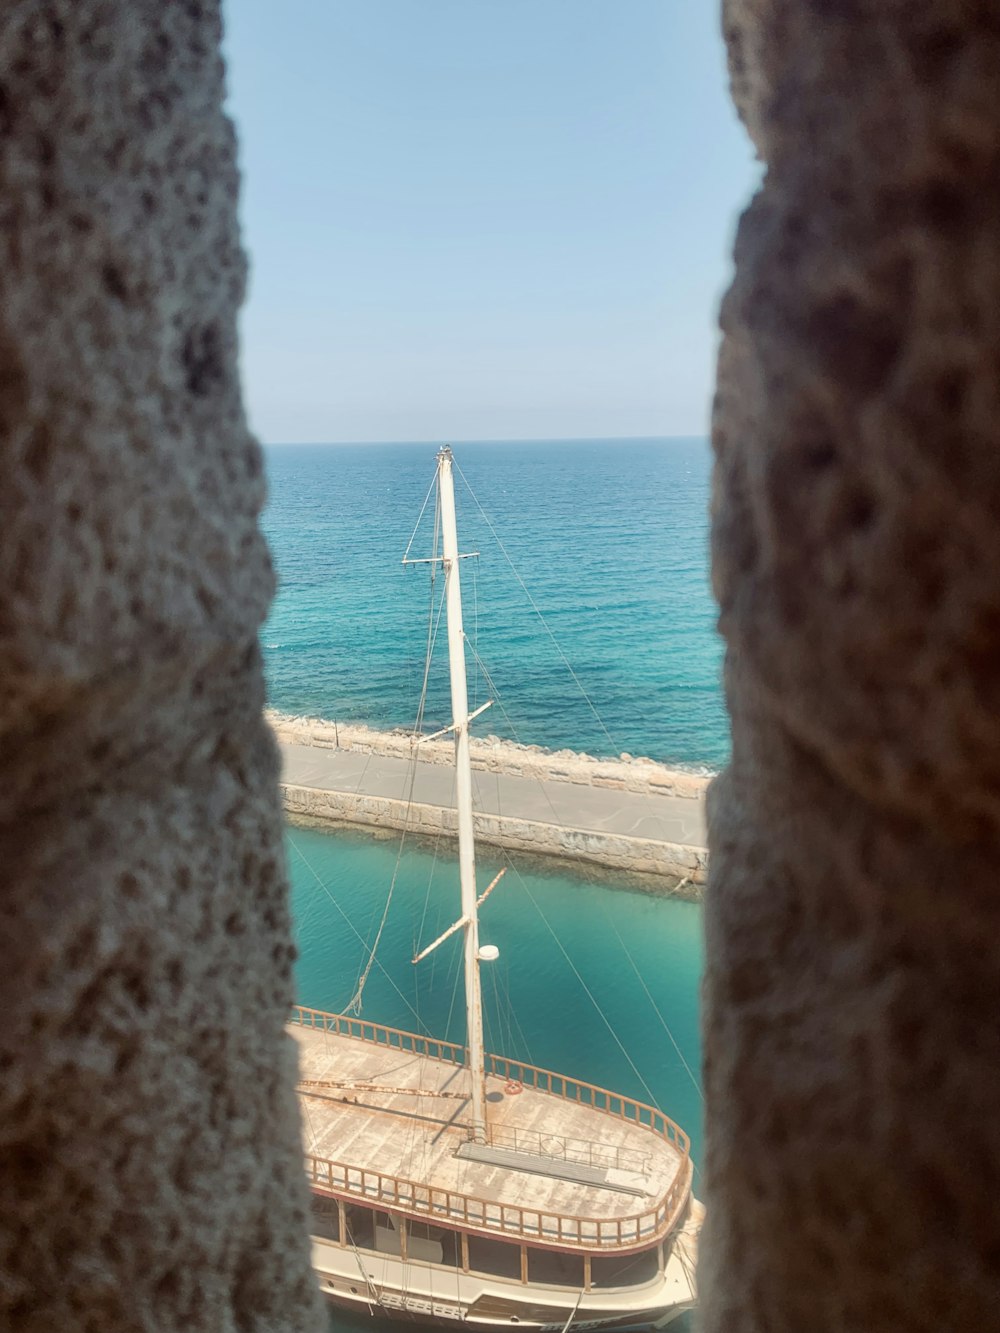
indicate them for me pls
(593, 979)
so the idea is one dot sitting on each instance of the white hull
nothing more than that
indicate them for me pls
(386, 1286)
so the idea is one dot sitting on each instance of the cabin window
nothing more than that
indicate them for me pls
(375, 1229)
(424, 1244)
(498, 1258)
(624, 1270)
(388, 1234)
(325, 1217)
(554, 1269)
(360, 1226)
(435, 1245)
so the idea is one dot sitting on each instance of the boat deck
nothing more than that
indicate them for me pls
(549, 1156)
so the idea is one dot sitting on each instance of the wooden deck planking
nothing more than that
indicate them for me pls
(411, 1138)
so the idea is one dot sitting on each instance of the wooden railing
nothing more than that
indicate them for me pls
(465, 1211)
(473, 1214)
(529, 1076)
(375, 1033)
(589, 1094)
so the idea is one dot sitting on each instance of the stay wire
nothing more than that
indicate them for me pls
(496, 694)
(586, 988)
(503, 1016)
(663, 1023)
(513, 1013)
(513, 730)
(437, 841)
(475, 626)
(354, 930)
(503, 851)
(420, 515)
(534, 607)
(647, 799)
(432, 624)
(454, 996)
(355, 1003)
(427, 896)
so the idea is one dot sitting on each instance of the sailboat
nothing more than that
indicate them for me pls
(452, 1186)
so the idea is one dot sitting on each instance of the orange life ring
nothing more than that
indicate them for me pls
(512, 1087)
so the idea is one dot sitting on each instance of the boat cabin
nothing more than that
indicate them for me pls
(380, 1232)
(576, 1186)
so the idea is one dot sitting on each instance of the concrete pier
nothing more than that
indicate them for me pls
(649, 832)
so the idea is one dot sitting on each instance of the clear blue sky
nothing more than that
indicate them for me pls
(483, 219)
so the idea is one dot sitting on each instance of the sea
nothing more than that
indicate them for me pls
(588, 604)
(590, 622)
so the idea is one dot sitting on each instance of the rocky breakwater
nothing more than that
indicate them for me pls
(629, 815)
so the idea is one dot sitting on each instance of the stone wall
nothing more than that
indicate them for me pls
(150, 1156)
(674, 868)
(852, 1063)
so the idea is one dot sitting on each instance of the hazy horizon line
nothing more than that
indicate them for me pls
(455, 439)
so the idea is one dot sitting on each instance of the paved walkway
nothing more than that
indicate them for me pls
(674, 819)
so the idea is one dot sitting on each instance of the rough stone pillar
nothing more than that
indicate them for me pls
(853, 993)
(150, 1168)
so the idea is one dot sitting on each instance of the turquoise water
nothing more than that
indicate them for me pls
(593, 980)
(610, 538)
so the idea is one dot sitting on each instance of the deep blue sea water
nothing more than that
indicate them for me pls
(593, 979)
(609, 538)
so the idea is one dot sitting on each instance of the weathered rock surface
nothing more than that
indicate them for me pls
(149, 1147)
(852, 1050)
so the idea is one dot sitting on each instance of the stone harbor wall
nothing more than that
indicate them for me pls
(664, 866)
(492, 755)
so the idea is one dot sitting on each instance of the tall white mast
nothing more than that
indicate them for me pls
(463, 788)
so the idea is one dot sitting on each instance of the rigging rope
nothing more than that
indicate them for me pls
(586, 988)
(656, 1010)
(513, 1013)
(454, 995)
(534, 607)
(431, 637)
(687, 1068)
(374, 1296)
(420, 516)
(475, 624)
(355, 1002)
(355, 930)
(419, 933)
(513, 731)
(572, 1313)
